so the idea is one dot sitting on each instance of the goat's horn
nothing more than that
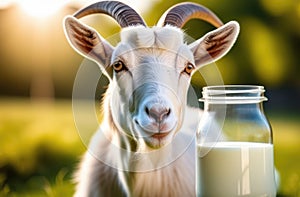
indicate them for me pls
(181, 13)
(122, 13)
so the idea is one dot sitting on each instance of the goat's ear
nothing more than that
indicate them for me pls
(88, 42)
(215, 44)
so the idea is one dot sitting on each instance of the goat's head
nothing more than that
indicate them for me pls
(150, 68)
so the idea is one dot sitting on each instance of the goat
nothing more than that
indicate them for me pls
(145, 142)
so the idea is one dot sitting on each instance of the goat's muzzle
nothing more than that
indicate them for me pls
(158, 113)
(156, 120)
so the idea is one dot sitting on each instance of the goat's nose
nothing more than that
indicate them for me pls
(158, 112)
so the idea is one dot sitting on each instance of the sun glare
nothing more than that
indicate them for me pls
(41, 8)
(5, 3)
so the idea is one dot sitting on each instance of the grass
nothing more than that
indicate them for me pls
(40, 148)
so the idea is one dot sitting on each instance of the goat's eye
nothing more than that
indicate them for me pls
(189, 67)
(119, 66)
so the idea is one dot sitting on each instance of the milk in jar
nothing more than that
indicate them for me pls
(234, 144)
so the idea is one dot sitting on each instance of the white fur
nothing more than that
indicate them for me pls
(138, 36)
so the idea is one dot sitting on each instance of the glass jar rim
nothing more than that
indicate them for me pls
(226, 94)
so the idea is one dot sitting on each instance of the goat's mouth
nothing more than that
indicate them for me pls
(160, 135)
(157, 131)
(152, 138)
(159, 140)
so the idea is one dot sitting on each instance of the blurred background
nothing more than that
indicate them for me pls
(39, 143)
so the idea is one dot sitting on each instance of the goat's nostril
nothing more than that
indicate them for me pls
(168, 112)
(147, 111)
(158, 113)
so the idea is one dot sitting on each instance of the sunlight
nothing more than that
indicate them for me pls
(41, 8)
(5, 3)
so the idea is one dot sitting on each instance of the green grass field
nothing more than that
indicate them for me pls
(40, 148)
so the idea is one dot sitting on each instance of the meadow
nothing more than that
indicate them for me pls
(40, 148)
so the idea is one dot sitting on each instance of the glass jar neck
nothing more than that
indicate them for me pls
(233, 94)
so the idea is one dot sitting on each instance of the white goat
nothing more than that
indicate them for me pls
(145, 143)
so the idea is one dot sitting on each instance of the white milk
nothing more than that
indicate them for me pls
(236, 169)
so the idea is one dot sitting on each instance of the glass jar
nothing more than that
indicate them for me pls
(234, 143)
